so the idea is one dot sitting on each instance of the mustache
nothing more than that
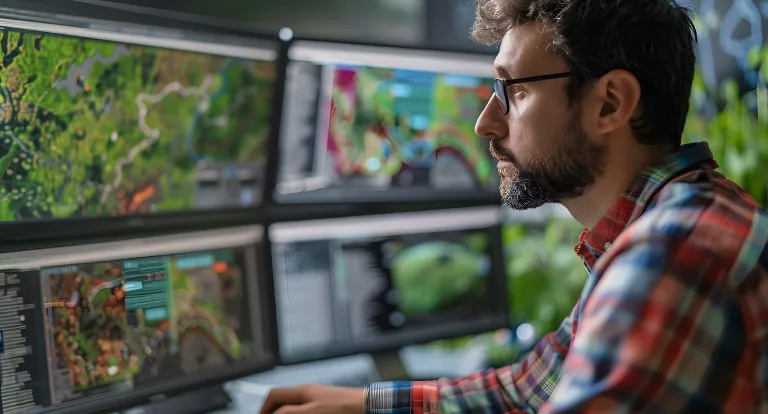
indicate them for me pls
(501, 153)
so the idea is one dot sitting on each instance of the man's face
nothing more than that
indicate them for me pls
(544, 153)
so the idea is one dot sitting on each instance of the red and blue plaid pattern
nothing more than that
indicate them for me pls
(673, 318)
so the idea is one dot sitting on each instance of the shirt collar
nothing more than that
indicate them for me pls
(593, 243)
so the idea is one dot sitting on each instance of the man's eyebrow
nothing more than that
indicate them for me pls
(501, 71)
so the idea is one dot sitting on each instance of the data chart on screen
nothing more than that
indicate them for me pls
(94, 128)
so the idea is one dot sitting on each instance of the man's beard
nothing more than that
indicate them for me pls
(566, 174)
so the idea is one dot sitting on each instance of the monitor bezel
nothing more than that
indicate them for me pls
(257, 280)
(178, 36)
(498, 318)
(328, 209)
(411, 58)
(471, 63)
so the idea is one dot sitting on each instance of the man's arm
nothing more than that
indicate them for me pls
(661, 333)
(517, 389)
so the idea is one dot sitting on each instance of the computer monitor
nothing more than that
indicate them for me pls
(377, 283)
(367, 124)
(91, 328)
(103, 120)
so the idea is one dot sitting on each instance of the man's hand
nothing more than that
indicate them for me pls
(315, 399)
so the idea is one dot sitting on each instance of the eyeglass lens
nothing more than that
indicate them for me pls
(500, 89)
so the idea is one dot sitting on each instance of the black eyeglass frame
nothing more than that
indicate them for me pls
(500, 87)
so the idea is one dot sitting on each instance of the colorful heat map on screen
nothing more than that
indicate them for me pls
(94, 128)
(384, 121)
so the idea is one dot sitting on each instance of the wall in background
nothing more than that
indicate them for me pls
(448, 23)
(728, 30)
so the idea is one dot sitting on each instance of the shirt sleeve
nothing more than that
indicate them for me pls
(649, 334)
(518, 389)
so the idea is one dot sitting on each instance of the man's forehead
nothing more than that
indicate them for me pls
(526, 50)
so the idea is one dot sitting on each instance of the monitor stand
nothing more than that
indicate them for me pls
(203, 401)
(389, 366)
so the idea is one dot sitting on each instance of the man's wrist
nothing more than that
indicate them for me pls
(375, 397)
(366, 395)
(387, 397)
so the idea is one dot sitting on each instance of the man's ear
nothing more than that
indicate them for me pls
(617, 96)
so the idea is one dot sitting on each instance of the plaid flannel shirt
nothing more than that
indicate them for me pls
(669, 321)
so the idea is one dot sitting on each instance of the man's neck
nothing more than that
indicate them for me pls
(620, 171)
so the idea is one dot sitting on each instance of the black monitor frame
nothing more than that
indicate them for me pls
(106, 10)
(172, 34)
(256, 276)
(383, 345)
(356, 202)
(438, 51)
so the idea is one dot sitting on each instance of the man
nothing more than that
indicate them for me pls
(589, 113)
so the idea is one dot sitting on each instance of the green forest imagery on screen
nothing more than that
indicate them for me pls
(94, 128)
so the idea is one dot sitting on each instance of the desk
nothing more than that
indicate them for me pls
(247, 398)
(248, 394)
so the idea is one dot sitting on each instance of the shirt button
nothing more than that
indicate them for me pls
(607, 245)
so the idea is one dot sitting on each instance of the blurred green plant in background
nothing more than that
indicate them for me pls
(545, 276)
(737, 133)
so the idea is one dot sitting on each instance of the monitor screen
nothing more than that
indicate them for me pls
(366, 284)
(109, 122)
(87, 325)
(382, 124)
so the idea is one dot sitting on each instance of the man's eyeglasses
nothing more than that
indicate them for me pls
(500, 87)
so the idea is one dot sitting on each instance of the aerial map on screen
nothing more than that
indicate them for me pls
(94, 128)
(387, 121)
(118, 325)
(209, 302)
(87, 305)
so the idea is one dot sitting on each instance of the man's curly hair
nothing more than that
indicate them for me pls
(652, 39)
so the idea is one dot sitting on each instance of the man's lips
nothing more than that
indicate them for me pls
(500, 158)
(504, 167)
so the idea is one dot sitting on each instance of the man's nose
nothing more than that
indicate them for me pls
(491, 123)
